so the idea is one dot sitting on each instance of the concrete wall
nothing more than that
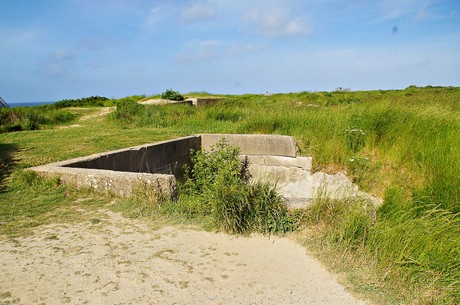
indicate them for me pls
(124, 171)
(167, 157)
(156, 165)
(200, 101)
(254, 144)
(119, 183)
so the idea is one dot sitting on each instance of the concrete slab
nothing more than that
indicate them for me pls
(282, 161)
(254, 144)
(123, 184)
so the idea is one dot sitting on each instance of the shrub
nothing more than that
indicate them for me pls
(172, 95)
(221, 180)
(92, 101)
(128, 110)
(18, 119)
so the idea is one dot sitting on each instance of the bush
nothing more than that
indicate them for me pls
(128, 110)
(18, 119)
(92, 101)
(236, 205)
(172, 95)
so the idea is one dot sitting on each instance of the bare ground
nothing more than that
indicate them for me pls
(109, 259)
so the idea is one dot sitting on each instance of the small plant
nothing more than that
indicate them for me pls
(359, 167)
(355, 139)
(220, 178)
(172, 95)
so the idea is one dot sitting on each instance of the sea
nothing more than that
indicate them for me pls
(28, 104)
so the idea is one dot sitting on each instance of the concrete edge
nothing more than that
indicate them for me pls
(255, 144)
(124, 184)
(106, 153)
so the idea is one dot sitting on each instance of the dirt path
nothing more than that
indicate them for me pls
(100, 114)
(113, 260)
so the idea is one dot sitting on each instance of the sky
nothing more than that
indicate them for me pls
(61, 49)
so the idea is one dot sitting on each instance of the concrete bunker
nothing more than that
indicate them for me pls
(159, 165)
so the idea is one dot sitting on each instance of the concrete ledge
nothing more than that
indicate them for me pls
(193, 101)
(254, 144)
(165, 157)
(124, 184)
(303, 163)
(202, 101)
(122, 171)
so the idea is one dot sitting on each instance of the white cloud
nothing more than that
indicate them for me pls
(63, 55)
(198, 11)
(156, 14)
(393, 9)
(208, 50)
(201, 51)
(277, 21)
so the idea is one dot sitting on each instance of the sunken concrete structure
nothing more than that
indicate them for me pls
(193, 101)
(158, 166)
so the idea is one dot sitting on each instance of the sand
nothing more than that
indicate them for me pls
(110, 259)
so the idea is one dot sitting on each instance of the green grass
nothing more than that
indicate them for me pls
(400, 145)
(25, 118)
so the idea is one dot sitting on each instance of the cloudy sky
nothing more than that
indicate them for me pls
(57, 49)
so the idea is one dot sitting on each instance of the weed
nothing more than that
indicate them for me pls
(220, 180)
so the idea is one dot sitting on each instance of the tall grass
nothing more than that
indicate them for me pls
(18, 119)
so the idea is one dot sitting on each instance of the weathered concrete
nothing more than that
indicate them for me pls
(120, 183)
(159, 101)
(157, 166)
(204, 101)
(124, 171)
(298, 185)
(254, 144)
(193, 101)
(166, 157)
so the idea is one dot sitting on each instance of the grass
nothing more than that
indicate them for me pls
(400, 145)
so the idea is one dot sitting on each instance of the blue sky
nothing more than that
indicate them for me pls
(58, 49)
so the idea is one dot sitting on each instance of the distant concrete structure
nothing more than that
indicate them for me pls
(158, 166)
(3, 104)
(341, 89)
(194, 101)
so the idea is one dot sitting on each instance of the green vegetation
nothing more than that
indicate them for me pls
(218, 185)
(92, 101)
(24, 118)
(401, 145)
(172, 95)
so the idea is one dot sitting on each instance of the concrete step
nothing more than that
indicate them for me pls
(297, 185)
(281, 161)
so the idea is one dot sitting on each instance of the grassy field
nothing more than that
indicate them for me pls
(403, 146)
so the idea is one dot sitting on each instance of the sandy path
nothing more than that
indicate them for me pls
(113, 260)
